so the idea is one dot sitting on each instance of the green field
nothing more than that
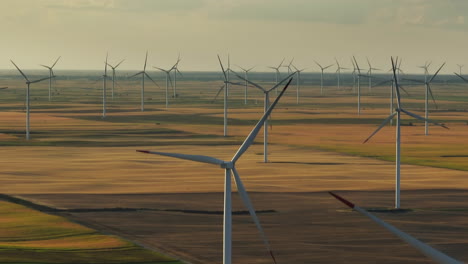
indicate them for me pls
(29, 236)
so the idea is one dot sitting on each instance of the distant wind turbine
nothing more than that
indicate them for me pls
(230, 167)
(246, 77)
(298, 82)
(338, 71)
(176, 71)
(277, 72)
(428, 92)
(51, 75)
(321, 75)
(369, 72)
(143, 74)
(104, 89)
(28, 83)
(358, 76)
(168, 79)
(425, 249)
(397, 113)
(266, 104)
(113, 75)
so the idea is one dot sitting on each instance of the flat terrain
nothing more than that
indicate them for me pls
(29, 236)
(85, 168)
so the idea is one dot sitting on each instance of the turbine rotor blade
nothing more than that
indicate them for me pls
(248, 203)
(119, 64)
(435, 74)
(197, 158)
(425, 249)
(136, 74)
(463, 78)
(22, 73)
(432, 96)
(250, 82)
(151, 79)
(146, 59)
(43, 79)
(219, 91)
(222, 68)
(282, 81)
(423, 119)
(56, 61)
(381, 126)
(324, 68)
(251, 137)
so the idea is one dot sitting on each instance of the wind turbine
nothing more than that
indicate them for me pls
(168, 79)
(397, 113)
(176, 70)
(460, 66)
(338, 71)
(51, 74)
(289, 66)
(277, 72)
(321, 75)
(425, 249)
(104, 89)
(225, 86)
(230, 167)
(356, 67)
(143, 74)
(369, 72)
(28, 83)
(427, 93)
(266, 104)
(425, 67)
(113, 75)
(298, 82)
(246, 77)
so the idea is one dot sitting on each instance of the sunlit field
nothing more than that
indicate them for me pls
(85, 167)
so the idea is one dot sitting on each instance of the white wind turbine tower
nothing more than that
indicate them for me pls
(104, 89)
(230, 167)
(426, 69)
(358, 76)
(298, 82)
(397, 113)
(168, 79)
(277, 72)
(369, 72)
(51, 74)
(246, 77)
(321, 74)
(338, 71)
(266, 104)
(28, 83)
(425, 249)
(428, 92)
(113, 75)
(143, 74)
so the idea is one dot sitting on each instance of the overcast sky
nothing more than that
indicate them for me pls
(254, 32)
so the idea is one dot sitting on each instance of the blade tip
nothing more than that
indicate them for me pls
(143, 151)
(343, 200)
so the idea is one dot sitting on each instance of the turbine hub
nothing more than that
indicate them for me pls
(227, 165)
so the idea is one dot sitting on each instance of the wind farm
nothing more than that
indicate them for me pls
(127, 173)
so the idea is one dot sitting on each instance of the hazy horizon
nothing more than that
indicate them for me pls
(254, 32)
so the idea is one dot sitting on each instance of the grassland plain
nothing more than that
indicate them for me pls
(29, 236)
(77, 160)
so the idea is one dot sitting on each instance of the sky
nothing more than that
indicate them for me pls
(256, 33)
